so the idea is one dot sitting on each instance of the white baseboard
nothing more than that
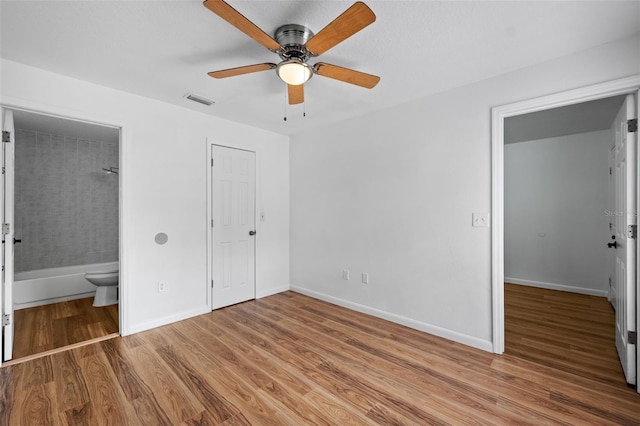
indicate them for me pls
(485, 345)
(271, 291)
(560, 287)
(159, 322)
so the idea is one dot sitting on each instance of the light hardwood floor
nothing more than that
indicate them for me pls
(289, 359)
(43, 328)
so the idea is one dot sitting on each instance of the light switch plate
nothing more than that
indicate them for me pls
(480, 220)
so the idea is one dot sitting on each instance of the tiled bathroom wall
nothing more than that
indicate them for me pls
(66, 206)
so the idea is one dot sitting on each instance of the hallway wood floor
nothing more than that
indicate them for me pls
(289, 359)
(566, 331)
(42, 328)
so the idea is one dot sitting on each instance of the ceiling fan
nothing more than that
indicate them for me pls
(296, 44)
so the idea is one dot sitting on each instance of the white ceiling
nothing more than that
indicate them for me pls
(568, 120)
(164, 49)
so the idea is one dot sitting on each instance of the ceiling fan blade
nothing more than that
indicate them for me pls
(235, 18)
(347, 75)
(344, 26)
(296, 94)
(231, 72)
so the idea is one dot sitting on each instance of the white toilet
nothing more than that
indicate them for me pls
(107, 286)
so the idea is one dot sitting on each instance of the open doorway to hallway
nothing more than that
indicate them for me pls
(558, 188)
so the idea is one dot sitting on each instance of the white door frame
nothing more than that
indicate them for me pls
(124, 231)
(210, 143)
(498, 114)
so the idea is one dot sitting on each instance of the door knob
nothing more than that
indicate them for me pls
(16, 241)
(252, 232)
(613, 244)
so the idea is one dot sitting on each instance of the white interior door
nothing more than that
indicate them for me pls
(8, 149)
(625, 220)
(234, 187)
(611, 205)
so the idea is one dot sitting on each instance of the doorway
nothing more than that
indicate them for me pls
(557, 212)
(499, 114)
(65, 197)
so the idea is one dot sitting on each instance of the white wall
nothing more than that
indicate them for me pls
(392, 193)
(556, 194)
(163, 189)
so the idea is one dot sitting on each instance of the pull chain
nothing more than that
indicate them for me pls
(285, 105)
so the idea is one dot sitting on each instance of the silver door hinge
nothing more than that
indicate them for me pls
(610, 226)
(6, 319)
(632, 337)
(633, 231)
(632, 125)
(212, 223)
(211, 283)
(212, 162)
(6, 136)
(609, 171)
(6, 228)
(609, 281)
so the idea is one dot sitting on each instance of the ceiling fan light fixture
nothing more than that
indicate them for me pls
(294, 72)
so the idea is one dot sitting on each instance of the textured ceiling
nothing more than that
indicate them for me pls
(164, 49)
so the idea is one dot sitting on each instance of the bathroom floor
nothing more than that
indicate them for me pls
(53, 326)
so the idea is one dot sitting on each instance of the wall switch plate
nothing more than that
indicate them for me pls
(365, 278)
(162, 287)
(345, 274)
(480, 220)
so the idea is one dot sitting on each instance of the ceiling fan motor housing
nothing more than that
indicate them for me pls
(292, 38)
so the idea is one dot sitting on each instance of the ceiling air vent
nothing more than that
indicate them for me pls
(200, 99)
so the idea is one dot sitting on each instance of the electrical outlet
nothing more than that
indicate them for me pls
(365, 278)
(162, 287)
(346, 274)
(480, 220)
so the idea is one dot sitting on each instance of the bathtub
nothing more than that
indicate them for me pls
(51, 285)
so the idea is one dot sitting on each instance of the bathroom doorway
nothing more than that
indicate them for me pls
(66, 232)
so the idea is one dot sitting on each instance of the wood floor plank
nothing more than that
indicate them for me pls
(36, 405)
(290, 359)
(218, 407)
(71, 389)
(143, 399)
(172, 394)
(81, 415)
(109, 405)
